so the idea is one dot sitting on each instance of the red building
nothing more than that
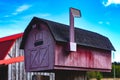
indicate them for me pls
(10, 55)
(45, 45)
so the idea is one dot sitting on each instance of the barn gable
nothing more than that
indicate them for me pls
(60, 33)
(5, 47)
(9, 57)
(6, 43)
(39, 40)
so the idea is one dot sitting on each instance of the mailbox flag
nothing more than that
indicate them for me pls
(75, 12)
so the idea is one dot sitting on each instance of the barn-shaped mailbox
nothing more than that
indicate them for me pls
(45, 44)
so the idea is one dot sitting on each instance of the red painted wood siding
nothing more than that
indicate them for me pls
(84, 58)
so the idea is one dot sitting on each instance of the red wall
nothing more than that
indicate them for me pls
(85, 58)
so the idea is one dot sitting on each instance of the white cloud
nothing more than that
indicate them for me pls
(109, 2)
(15, 13)
(100, 22)
(21, 9)
(103, 22)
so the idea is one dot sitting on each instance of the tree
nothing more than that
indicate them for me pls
(94, 74)
(98, 76)
(116, 67)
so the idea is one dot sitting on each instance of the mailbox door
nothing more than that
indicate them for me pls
(39, 49)
(39, 54)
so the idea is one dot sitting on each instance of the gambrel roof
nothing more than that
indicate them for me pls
(60, 33)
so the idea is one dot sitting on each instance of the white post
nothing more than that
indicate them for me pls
(114, 65)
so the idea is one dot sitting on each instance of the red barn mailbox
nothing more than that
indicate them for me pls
(45, 45)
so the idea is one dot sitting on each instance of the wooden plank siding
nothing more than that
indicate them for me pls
(84, 58)
(39, 49)
(16, 71)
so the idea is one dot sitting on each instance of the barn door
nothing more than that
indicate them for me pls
(39, 53)
(39, 49)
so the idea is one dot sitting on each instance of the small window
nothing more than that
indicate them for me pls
(38, 43)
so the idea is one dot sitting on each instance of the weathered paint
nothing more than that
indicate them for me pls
(39, 49)
(42, 53)
(84, 58)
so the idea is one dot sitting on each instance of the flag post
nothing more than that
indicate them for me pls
(73, 13)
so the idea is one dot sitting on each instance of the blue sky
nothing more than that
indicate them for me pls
(101, 16)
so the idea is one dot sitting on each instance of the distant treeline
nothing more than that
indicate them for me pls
(115, 72)
(115, 69)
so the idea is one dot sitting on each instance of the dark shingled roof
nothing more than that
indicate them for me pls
(60, 33)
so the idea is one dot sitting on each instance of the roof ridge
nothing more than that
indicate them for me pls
(10, 37)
